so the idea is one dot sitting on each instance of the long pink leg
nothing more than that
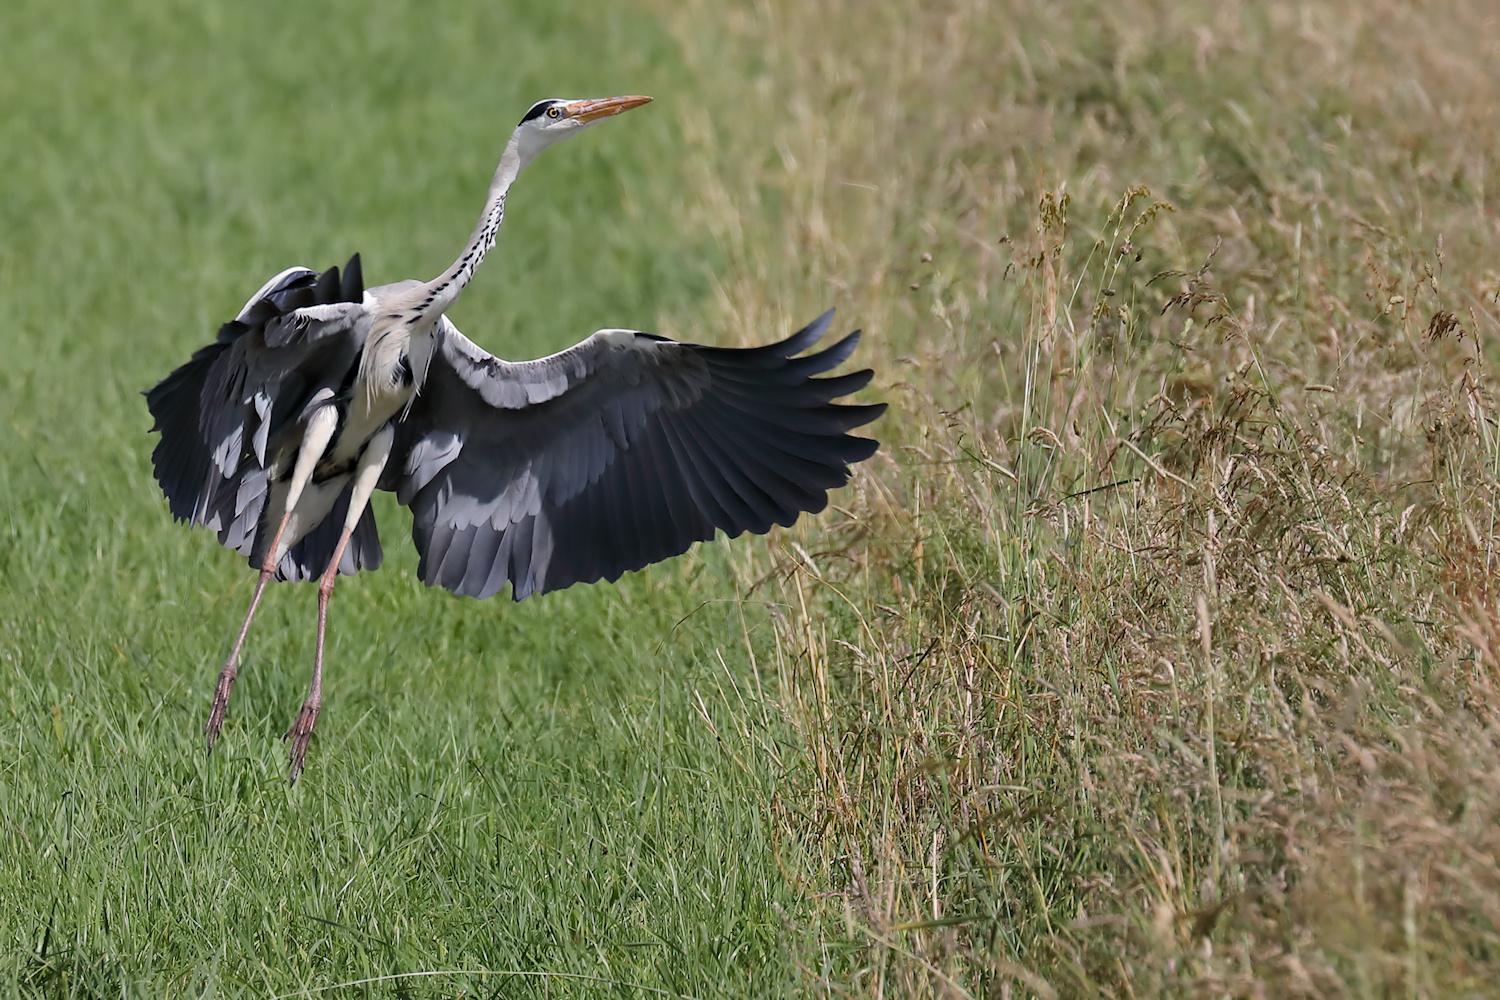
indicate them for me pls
(370, 465)
(320, 428)
(232, 665)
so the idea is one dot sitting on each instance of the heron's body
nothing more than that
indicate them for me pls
(383, 384)
(613, 454)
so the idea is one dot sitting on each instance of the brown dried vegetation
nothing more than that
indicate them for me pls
(1156, 653)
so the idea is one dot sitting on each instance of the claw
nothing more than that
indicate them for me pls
(301, 733)
(221, 704)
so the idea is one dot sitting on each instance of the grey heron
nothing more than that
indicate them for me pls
(616, 453)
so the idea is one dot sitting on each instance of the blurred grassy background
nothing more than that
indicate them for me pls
(1155, 655)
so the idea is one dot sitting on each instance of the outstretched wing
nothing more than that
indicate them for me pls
(617, 453)
(220, 414)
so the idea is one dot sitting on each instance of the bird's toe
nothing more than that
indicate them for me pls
(300, 734)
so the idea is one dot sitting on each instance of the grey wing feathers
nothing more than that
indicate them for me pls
(616, 454)
(219, 414)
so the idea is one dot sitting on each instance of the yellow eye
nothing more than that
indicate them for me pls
(553, 112)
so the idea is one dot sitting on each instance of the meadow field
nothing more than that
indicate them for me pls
(1154, 655)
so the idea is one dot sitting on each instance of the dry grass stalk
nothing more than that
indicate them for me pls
(1156, 654)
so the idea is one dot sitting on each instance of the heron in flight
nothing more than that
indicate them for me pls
(616, 453)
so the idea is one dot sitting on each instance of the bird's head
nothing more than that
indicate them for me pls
(555, 119)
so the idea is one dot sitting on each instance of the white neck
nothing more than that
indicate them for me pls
(443, 290)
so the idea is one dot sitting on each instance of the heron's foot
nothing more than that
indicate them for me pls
(301, 732)
(221, 704)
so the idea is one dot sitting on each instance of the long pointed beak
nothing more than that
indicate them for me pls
(603, 107)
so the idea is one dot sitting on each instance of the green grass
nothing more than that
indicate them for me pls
(529, 790)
